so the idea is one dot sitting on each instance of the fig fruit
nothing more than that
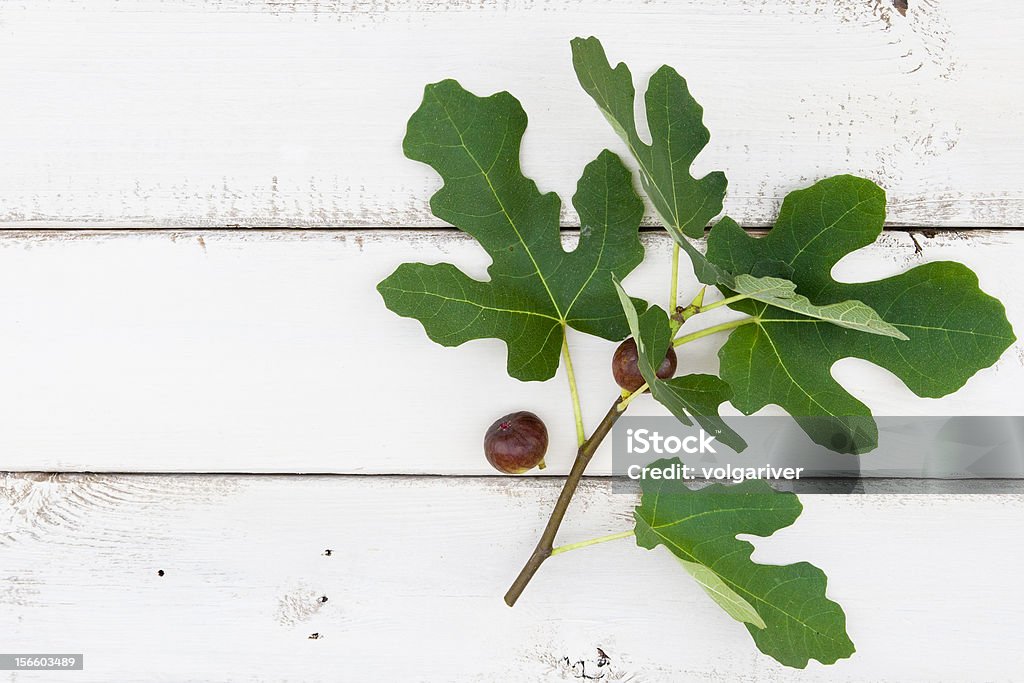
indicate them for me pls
(516, 443)
(627, 374)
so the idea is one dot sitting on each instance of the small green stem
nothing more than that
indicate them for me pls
(577, 411)
(724, 302)
(593, 541)
(627, 399)
(673, 297)
(708, 331)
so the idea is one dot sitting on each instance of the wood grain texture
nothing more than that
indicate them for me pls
(240, 351)
(270, 351)
(417, 567)
(171, 113)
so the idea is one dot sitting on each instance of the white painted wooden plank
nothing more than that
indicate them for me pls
(250, 112)
(272, 352)
(418, 567)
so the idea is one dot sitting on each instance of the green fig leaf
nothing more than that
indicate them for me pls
(689, 396)
(796, 622)
(536, 288)
(685, 204)
(952, 328)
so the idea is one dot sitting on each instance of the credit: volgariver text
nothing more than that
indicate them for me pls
(726, 472)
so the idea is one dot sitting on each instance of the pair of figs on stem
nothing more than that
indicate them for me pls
(517, 442)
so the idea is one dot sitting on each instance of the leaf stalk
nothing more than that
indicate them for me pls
(724, 302)
(673, 299)
(708, 331)
(577, 411)
(593, 541)
(628, 398)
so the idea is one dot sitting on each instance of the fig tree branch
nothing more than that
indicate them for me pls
(544, 546)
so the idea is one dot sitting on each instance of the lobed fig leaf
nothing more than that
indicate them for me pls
(952, 329)
(687, 396)
(795, 622)
(536, 288)
(685, 204)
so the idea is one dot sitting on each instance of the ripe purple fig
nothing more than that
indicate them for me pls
(627, 374)
(516, 443)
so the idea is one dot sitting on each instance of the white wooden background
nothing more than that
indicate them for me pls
(157, 352)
